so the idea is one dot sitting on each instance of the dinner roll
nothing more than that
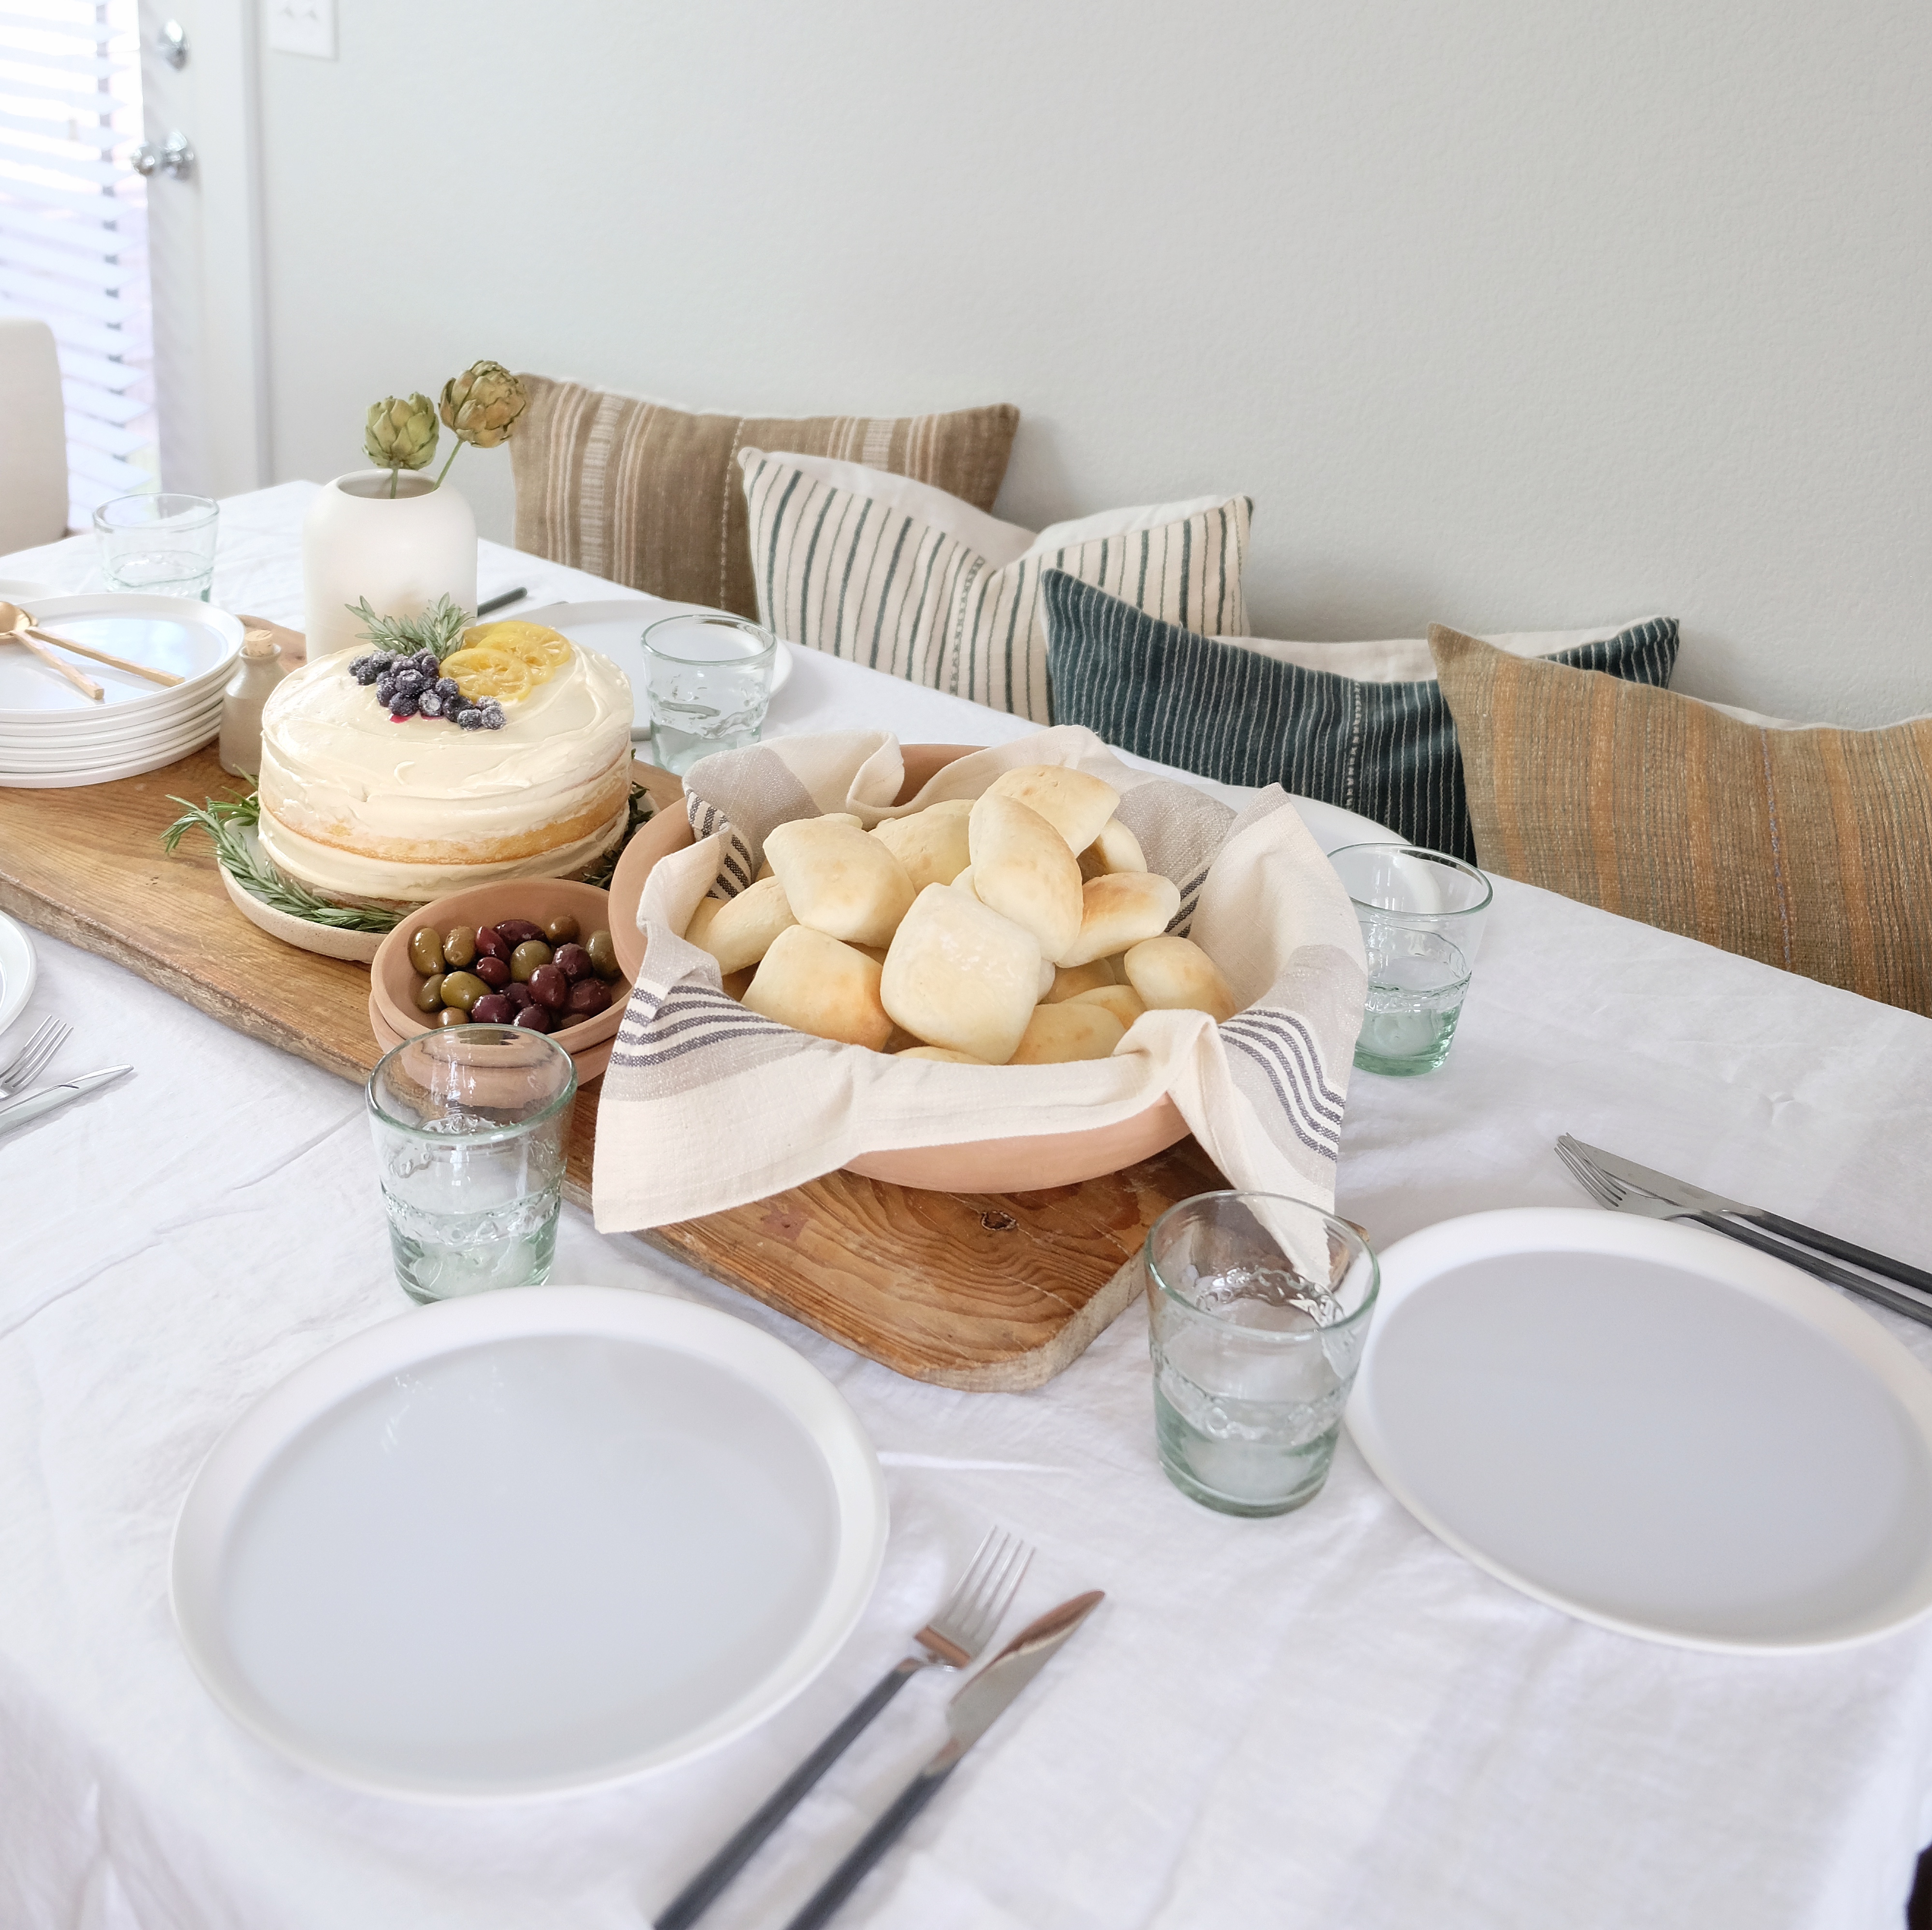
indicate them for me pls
(964, 882)
(1120, 910)
(1069, 980)
(1056, 1034)
(1176, 975)
(737, 984)
(1123, 1000)
(1076, 805)
(945, 1053)
(931, 843)
(960, 975)
(1115, 849)
(741, 932)
(838, 879)
(700, 924)
(1023, 869)
(819, 985)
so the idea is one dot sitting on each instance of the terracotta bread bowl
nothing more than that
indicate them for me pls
(393, 979)
(1027, 1165)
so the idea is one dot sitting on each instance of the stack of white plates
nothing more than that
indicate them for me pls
(52, 734)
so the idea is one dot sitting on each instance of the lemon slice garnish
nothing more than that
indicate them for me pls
(483, 670)
(545, 651)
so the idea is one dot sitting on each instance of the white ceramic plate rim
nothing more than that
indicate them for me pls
(183, 609)
(1414, 1262)
(227, 1477)
(621, 609)
(105, 736)
(17, 971)
(74, 780)
(174, 742)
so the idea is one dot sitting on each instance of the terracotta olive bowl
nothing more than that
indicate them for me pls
(393, 979)
(1024, 1165)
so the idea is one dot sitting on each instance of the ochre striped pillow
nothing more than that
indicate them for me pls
(1808, 848)
(882, 583)
(650, 496)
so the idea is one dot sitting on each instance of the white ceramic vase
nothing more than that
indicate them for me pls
(402, 553)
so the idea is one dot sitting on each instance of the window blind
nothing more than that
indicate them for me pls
(73, 235)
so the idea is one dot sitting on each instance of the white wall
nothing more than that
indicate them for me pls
(1513, 317)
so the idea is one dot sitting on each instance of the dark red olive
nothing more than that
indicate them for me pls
(551, 987)
(588, 996)
(493, 972)
(515, 931)
(490, 944)
(575, 962)
(518, 995)
(493, 1009)
(533, 1019)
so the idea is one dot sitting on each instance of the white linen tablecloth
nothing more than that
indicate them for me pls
(1328, 1719)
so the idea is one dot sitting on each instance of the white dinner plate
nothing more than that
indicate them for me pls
(615, 629)
(1653, 1428)
(16, 973)
(116, 729)
(196, 641)
(535, 1541)
(175, 739)
(112, 767)
(1334, 827)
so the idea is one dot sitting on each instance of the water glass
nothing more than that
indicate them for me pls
(158, 545)
(470, 1125)
(1422, 914)
(1259, 1306)
(707, 680)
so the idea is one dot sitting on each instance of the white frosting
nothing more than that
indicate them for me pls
(342, 874)
(336, 769)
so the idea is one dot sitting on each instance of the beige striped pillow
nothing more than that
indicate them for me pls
(1809, 849)
(900, 578)
(648, 495)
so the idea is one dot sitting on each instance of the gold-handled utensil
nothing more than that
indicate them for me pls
(19, 625)
(17, 634)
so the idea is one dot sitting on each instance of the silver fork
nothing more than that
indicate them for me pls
(49, 1037)
(1607, 1189)
(952, 1640)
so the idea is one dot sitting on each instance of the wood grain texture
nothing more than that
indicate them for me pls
(981, 1292)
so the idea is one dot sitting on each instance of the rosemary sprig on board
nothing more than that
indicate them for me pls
(223, 819)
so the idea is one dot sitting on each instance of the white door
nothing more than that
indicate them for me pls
(199, 104)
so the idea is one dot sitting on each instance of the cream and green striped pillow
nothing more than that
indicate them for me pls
(902, 578)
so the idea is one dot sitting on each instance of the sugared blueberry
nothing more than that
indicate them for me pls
(430, 704)
(402, 705)
(470, 719)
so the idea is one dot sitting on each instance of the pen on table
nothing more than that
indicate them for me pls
(508, 597)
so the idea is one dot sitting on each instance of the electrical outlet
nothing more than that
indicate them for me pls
(301, 26)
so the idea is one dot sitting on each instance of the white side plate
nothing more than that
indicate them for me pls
(194, 640)
(535, 1541)
(16, 972)
(1652, 1427)
(615, 629)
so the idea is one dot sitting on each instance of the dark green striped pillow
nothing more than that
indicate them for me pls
(1388, 750)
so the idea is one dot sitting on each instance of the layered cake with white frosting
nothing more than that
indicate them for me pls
(393, 780)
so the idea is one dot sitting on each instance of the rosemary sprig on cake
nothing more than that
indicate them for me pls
(438, 630)
(224, 820)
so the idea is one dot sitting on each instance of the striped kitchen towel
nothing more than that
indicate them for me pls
(900, 581)
(1385, 749)
(706, 1106)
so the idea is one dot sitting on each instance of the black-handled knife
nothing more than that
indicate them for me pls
(968, 1716)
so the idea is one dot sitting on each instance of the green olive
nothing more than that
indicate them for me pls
(450, 1015)
(561, 929)
(429, 994)
(426, 951)
(462, 989)
(459, 945)
(603, 955)
(532, 955)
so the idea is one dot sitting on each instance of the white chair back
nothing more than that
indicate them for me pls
(33, 435)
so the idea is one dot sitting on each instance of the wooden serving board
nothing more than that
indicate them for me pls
(974, 1290)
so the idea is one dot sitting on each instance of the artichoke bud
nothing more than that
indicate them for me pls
(483, 403)
(400, 433)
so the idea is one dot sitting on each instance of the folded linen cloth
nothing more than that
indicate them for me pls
(706, 1106)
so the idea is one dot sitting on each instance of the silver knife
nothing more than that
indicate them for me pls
(1696, 1200)
(18, 1111)
(969, 1715)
